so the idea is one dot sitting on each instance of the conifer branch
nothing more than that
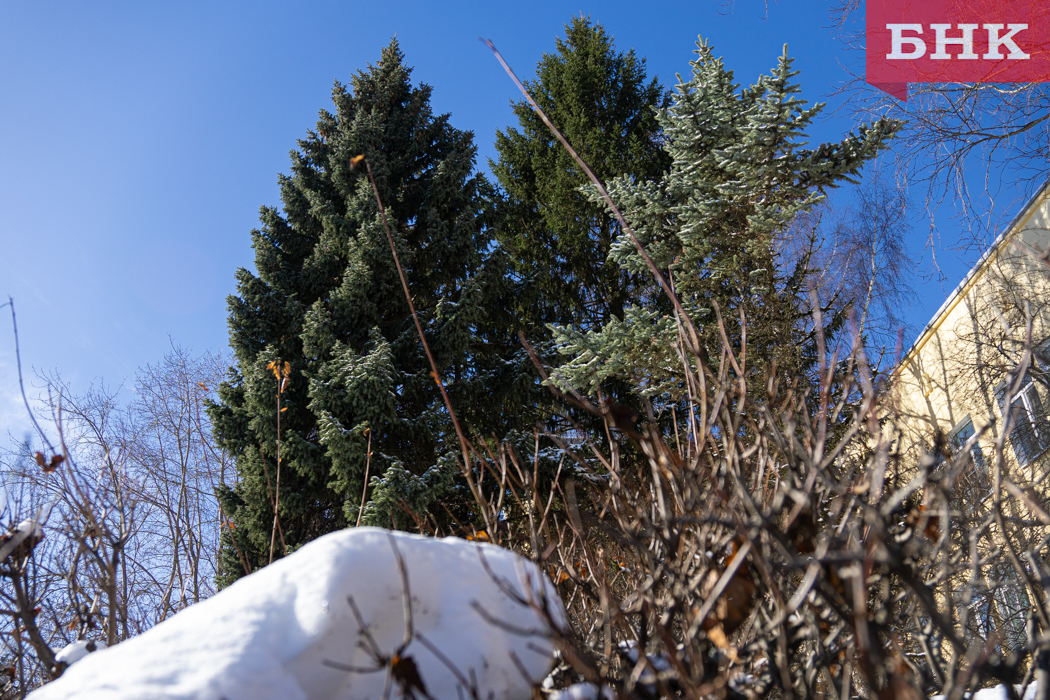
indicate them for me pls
(464, 446)
(693, 339)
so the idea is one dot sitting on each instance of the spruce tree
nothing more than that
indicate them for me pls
(327, 300)
(559, 240)
(741, 172)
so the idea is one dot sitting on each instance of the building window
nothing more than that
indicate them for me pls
(1030, 434)
(960, 436)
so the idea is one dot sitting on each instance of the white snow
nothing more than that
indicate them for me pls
(29, 529)
(71, 653)
(281, 633)
(32, 528)
(584, 691)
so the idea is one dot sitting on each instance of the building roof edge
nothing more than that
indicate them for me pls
(949, 302)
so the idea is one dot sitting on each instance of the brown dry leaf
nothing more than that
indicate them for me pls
(717, 635)
(734, 605)
(48, 466)
(404, 671)
(931, 529)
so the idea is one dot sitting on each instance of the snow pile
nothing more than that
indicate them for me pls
(71, 653)
(290, 632)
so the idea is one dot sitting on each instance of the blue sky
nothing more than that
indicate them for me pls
(138, 140)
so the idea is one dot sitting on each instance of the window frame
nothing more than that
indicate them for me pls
(1029, 437)
(959, 438)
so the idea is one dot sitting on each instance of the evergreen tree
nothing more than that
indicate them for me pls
(740, 174)
(328, 301)
(558, 239)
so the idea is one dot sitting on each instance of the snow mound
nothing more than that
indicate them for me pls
(290, 632)
(71, 653)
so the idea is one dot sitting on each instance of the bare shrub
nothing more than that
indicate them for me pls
(753, 536)
(125, 517)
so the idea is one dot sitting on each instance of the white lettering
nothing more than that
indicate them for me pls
(995, 42)
(966, 41)
(898, 41)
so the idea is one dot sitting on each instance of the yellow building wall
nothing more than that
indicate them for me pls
(958, 367)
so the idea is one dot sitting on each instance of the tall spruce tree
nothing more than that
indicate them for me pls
(328, 301)
(741, 172)
(558, 239)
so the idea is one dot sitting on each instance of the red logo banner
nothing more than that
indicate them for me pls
(956, 41)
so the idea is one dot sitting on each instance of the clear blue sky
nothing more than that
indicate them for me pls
(138, 140)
